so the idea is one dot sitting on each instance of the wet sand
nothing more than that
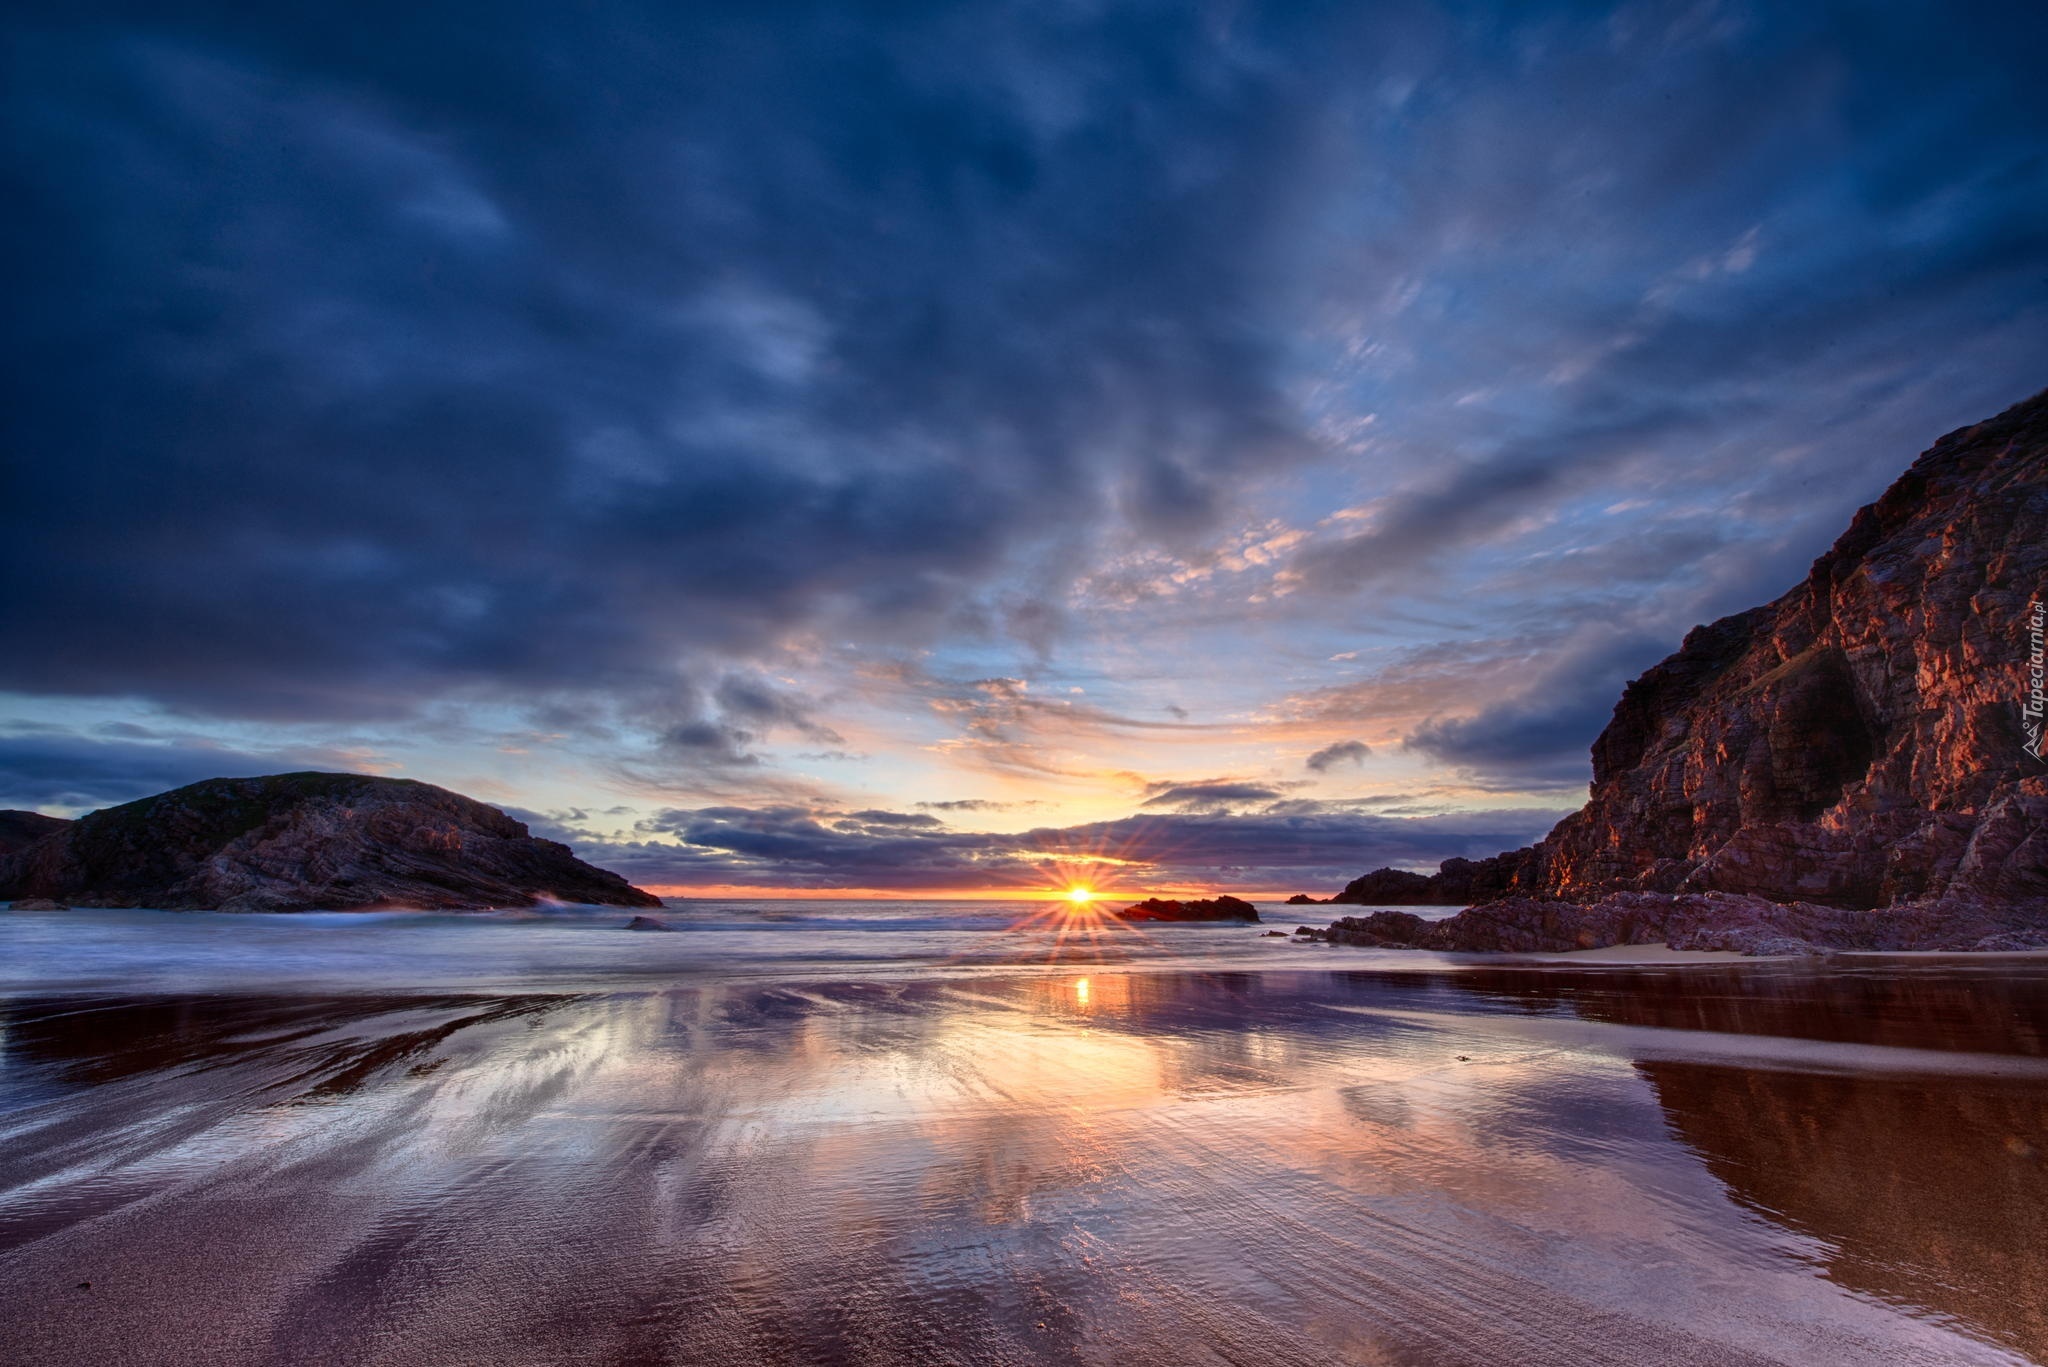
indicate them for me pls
(1742, 1164)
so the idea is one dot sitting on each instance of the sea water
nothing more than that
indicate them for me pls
(553, 946)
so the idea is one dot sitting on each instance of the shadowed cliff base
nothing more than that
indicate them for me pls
(1700, 921)
(1858, 746)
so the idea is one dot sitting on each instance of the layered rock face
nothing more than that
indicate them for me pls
(1859, 743)
(300, 842)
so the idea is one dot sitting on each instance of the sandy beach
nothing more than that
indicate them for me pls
(1349, 1157)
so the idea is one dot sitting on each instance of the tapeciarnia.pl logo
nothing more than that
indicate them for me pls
(2031, 709)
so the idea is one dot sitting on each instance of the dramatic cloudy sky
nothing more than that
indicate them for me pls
(910, 447)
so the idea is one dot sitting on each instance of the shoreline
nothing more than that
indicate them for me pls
(1041, 1166)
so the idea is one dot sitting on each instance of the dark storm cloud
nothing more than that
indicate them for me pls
(1254, 849)
(1534, 742)
(708, 743)
(587, 357)
(354, 355)
(1542, 733)
(1338, 752)
(873, 819)
(703, 732)
(1208, 794)
(720, 729)
(59, 768)
(791, 846)
(1705, 248)
(1473, 502)
(1516, 713)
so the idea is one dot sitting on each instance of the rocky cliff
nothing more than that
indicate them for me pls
(19, 830)
(1860, 743)
(297, 842)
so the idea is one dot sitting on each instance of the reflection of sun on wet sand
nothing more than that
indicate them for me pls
(1081, 928)
(1049, 1166)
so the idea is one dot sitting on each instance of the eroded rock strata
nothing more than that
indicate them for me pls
(1857, 746)
(299, 842)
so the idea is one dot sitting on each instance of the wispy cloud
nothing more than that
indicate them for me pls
(798, 847)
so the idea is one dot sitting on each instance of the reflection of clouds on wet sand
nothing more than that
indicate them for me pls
(1061, 1167)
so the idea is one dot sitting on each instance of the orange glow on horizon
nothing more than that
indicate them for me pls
(734, 892)
(1054, 872)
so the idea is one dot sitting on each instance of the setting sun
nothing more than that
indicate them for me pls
(1079, 896)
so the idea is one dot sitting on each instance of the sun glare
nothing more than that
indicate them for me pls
(1080, 896)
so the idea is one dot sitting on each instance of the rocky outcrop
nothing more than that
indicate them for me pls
(19, 830)
(1860, 743)
(301, 842)
(1456, 883)
(1224, 908)
(1713, 920)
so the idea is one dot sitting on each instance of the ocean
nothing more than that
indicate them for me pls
(911, 1132)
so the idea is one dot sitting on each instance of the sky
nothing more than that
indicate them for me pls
(956, 449)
